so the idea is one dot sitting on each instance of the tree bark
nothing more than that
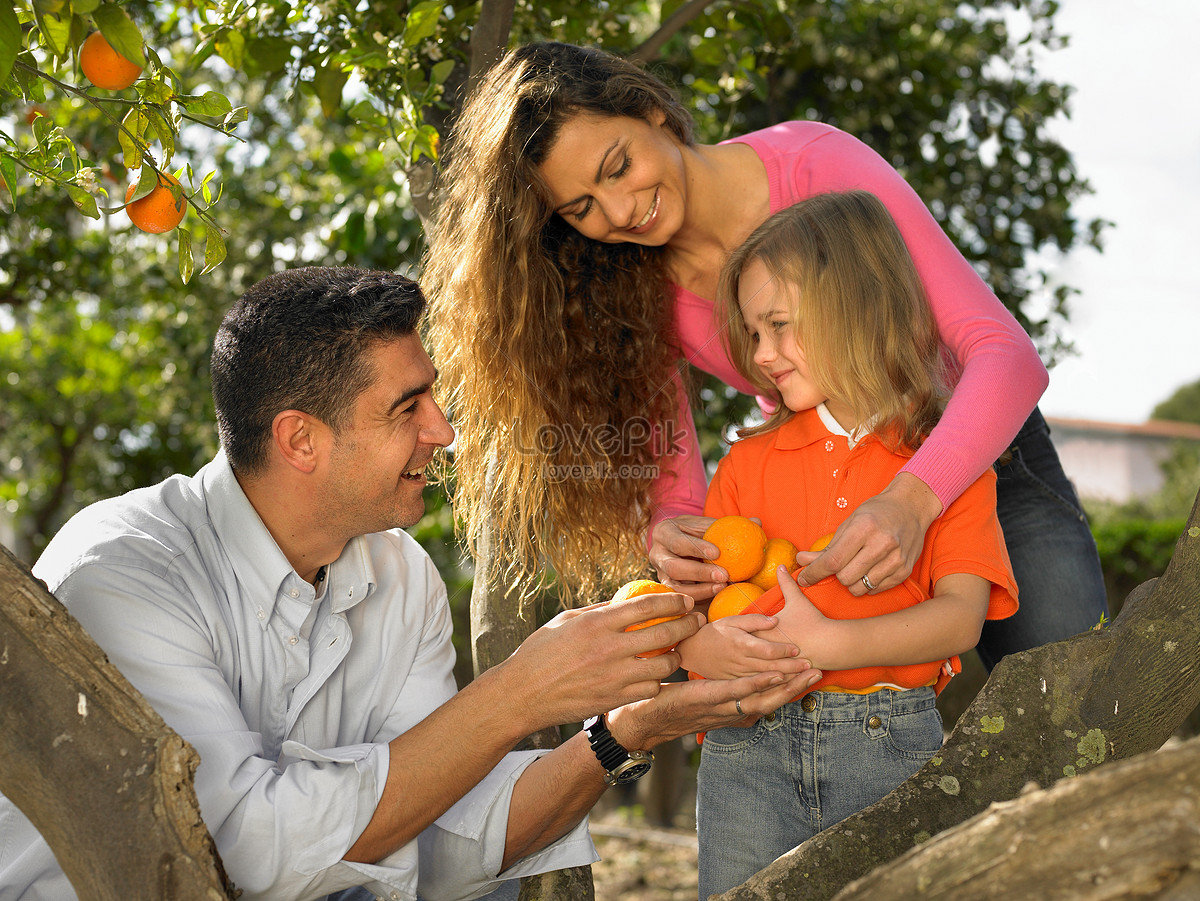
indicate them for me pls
(1055, 711)
(497, 629)
(96, 770)
(1127, 830)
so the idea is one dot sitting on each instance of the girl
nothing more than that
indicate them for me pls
(822, 309)
(572, 268)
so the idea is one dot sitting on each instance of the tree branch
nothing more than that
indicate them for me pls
(649, 48)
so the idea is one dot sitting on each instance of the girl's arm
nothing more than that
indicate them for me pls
(948, 623)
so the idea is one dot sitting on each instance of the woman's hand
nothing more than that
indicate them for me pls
(734, 646)
(880, 540)
(681, 556)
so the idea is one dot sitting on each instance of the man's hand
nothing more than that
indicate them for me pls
(680, 556)
(699, 705)
(583, 662)
(880, 540)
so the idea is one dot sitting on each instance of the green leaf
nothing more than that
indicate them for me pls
(231, 47)
(56, 32)
(265, 56)
(187, 262)
(211, 103)
(83, 201)
(10, 38)
(214, 249)
(421, 22)
(328, 81)
(441, 71)
(136, 121)
(84, 7)
(118, 29)
(8, 174)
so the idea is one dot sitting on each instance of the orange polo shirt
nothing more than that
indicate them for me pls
(802, 480)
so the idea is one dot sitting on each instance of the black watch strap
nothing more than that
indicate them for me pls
(620, 765)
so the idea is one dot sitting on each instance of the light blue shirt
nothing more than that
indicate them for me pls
(289, 696)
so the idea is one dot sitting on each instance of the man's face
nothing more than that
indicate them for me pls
(376, 473)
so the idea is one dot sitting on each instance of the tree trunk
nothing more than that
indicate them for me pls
(1055, 711)
(497, 629)
(1128, 830)
(97, 771)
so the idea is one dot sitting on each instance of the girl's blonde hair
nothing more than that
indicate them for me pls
(555, 353)
(859, 312)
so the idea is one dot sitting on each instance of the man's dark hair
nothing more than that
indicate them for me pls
(296, 341)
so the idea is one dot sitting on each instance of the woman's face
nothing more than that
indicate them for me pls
(618, 179)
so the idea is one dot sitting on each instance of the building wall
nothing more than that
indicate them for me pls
(1117, 462)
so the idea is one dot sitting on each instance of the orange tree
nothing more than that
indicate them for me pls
(309, 131)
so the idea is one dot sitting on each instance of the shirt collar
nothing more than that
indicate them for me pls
(816, 424)
(262, 568)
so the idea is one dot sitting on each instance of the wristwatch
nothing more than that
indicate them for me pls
(621, 766)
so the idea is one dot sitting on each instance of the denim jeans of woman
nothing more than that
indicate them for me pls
(1054, 559)
(763, 790)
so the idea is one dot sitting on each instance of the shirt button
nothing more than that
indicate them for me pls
(261, 616)
(842, 503)
(294, 593)
(829, 446)
(292, 639)
(350, 594)
(808, 704)
(874, 722)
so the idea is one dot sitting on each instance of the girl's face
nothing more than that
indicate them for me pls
(617, 179)
(767, 314)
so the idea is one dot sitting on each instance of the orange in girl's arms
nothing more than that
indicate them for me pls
(104, 67)
(741, 543)
(732, 600)
(636, 588)
(780, 552)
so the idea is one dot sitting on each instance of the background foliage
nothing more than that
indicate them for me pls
(309, 132)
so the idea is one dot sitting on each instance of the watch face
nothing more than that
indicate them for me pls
(636, 770)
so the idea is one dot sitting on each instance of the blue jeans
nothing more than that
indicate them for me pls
(762, 791)
(1051, 547)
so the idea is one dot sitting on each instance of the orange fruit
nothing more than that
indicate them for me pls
(645, 586)
(821, 543)
(742, 544)
(158, 211)
(732, 600)
(104, 67)
(780, 552)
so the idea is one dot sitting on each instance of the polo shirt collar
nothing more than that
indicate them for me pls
(816, 424)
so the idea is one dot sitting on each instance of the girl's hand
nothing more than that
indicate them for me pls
(734, 646)
(680, 556)
(880, 540)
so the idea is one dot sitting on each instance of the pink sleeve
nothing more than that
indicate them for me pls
(1002, 376)
(680, 486)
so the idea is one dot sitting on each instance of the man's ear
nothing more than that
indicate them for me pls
(297, 438)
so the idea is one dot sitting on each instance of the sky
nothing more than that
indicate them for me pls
(1134, 133)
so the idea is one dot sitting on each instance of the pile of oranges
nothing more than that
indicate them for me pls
(750, 558)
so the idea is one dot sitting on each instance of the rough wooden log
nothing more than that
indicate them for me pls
(1127, 830)
(1053, 712)
(97, 771)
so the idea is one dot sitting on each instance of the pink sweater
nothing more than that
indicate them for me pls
(1001, 376)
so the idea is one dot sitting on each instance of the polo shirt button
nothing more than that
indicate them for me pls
(829, 446)
(842, 503)
(808, 704)
(875, 722)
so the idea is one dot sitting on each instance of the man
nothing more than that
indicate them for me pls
(271, 610)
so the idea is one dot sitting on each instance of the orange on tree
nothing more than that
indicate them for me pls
(104, 67)
(742, 544)
(780, 552)
(732, 600)
(636, 588)
(158, 211)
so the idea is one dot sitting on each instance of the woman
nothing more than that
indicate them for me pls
(574, 262)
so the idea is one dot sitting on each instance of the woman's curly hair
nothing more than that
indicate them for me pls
(556, 354)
